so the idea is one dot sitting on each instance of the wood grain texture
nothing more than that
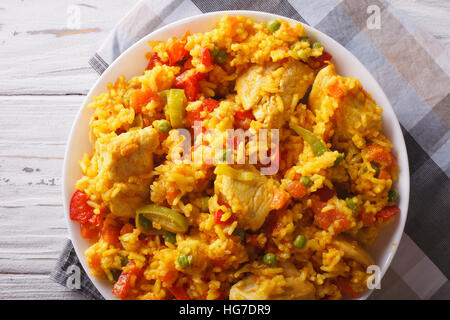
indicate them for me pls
(45, 76)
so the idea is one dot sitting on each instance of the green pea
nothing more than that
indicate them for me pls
(273, 25)
(270, 259)
(305, 39)
(306, 181)
(350, 202)
(124, 261)
(240, 232)
(376, 168)
(163, 126)
(215, 51)
(316, 45)
(300, 241)
(221, 56)
(393, 195)
(338, 160)
(184, 260)
(170, 237)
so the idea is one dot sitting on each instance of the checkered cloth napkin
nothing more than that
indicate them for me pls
(413, 70)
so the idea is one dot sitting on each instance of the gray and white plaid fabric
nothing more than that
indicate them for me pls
(413, 70)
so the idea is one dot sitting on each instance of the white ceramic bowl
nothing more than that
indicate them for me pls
(132, 63)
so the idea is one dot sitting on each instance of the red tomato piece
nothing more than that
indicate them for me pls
(88, 231)
(344, 285)
(205, 57)
(210, 104)
(79, 209)
(325, 219)
(110, 234)
(388, 212)
(380, 155)
(123, 285)
(296, 189)
(140, 98)
(180, 293)
(153, 61)
(194, 115)
(280, 199)
(325, 194)
(188, 82)
(243, 119)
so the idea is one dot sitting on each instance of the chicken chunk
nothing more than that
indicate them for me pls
(249, 200)
(342, 107)
(352, 250)
(125, 198)
(129, 154)
(272, 91)
(288, 286)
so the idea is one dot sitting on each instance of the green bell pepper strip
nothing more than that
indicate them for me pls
(168, 219)
(317, 146)
(176, 101)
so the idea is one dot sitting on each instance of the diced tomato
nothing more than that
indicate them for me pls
(379, 154)
(219, 213)
(334, 90)
(388, 212)
(280, 199)
(218, 217)
(88, 231)
(296, 189)
(218, 262)
(171, 275)
(180, 293)
(162, 136)
(123, 285)
(210, 104)
(79, 209)
(274, 223)
(176, 50)
(384, 175)
(171, 195)
(190, 83)
(367, 218)
(243, 119)
(325, 194)
(110, 233)
(325, 219)
(126, 228)
(344, 285)
(153, 61)
(194, 115)
(140, 98)
(205, 57)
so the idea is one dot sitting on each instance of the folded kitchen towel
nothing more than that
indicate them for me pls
(413, 70)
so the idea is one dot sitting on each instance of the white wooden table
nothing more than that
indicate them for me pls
(44, 77)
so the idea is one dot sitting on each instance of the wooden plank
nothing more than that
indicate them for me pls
(17, 286)
(40, 55)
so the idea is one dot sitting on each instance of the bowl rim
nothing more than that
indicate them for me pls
(400, 145)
